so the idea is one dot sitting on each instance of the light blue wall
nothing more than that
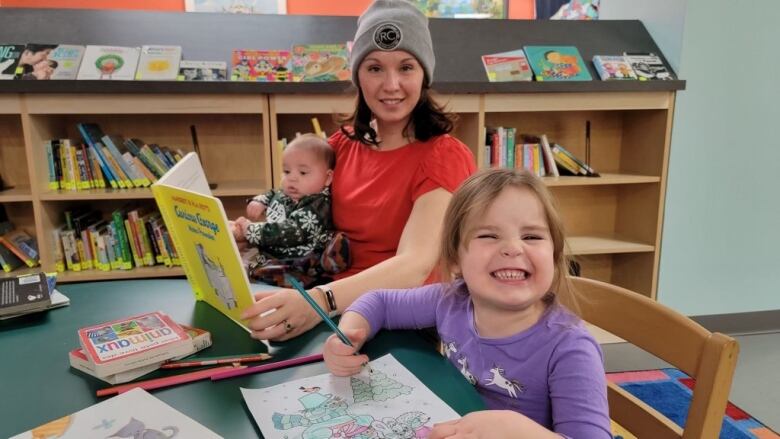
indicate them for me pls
(721, 242)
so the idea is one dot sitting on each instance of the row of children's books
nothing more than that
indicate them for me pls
(105, 161)
(17, 248)
(304, 62)
(564, 63)
(124, 239)
(505, 149)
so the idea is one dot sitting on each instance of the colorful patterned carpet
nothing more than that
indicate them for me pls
(669, 392)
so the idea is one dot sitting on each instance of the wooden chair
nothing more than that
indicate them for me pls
(708, 357)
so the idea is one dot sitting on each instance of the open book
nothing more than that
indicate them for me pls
(197, 222)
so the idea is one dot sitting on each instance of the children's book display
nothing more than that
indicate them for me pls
(202, 71)
(507, 66)
(320, 62)
(208, 253)
(387, 402)
(109, 62)
(133, 342)
(557, 63)
(158, 63)
(612, 68)
(134, 414)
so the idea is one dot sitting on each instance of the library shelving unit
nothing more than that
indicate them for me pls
(614, 222)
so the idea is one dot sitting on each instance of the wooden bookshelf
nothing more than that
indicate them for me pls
(614, 222)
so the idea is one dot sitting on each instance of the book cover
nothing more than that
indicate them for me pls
(8, 260)
(58, 300)
(557, 63)
(261, 65)
(507, 66)
(133, 414)
(66, 61)
(133, 342)
(158, 63)
(9, 59)
(22, 245)
(202, 71)
(612, 68)
(26, 294)
(35, 62)
(208, 253)
(109, 62)
(320, 62)
(648, 66)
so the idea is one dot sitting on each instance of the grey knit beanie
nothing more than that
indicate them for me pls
(393, 25)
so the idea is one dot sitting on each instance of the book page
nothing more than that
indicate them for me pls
(135, 413)
(388, 402)
(187, 174)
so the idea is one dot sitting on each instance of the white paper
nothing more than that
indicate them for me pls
(388, 403)
(135, 414)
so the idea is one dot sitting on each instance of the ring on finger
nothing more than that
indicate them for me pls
(288, 327)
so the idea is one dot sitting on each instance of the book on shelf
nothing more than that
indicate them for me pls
(261, 65)
(507, 66)
(648, 66)
(557, 63)
(109, 63)
(202, 71)
(133, 342)
(199, 227)
(320, 62)
(24, 246)
(133, 414)
(158, 63)
(34, 62)
(68, 60)
(9, 59)
(201, 339)
(572, 162)
(611, 68)
(24, 294)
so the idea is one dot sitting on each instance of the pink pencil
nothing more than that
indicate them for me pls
(266, 367)
(167, 381)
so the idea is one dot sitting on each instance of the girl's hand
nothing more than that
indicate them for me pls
(339, 356)
(491, 424)
(255, 210)
(280, 315)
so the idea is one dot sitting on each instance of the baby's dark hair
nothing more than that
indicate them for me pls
(316, 144)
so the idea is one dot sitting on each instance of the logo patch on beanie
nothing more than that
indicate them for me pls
(387, 36)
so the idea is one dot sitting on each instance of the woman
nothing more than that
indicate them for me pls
(396, 169)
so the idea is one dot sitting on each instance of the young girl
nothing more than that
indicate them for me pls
(503, 321)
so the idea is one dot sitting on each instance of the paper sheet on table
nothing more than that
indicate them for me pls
(390, 402)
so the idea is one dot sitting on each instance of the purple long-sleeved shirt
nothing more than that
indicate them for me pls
(552, 372)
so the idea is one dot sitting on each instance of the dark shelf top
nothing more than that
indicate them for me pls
(459, 44)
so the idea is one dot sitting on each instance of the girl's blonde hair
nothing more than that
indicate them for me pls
(474, 197)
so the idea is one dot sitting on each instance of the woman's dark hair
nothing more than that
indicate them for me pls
(428, 119)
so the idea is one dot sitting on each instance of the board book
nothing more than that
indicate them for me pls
(320, 62)
(557, 63)
(158, 63)
(208, 253)
(507, 66)
(133, 342)
(109, 62)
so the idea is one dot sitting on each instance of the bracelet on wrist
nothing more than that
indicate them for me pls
(330, 299)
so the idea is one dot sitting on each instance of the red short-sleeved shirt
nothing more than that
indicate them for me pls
(374, 190)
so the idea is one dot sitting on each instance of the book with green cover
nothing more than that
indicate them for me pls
(557, 63)
(208, 253)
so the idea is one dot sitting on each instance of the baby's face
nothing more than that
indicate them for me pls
(303, 173)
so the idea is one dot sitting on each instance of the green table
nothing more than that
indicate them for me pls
(38, 384)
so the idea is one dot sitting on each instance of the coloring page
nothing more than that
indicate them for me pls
(134, 414)
(387, 403)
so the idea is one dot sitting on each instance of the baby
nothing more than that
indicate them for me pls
(297, 235)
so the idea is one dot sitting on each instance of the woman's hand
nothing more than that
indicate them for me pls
(491, 424)
(280, 315)
(340, 358)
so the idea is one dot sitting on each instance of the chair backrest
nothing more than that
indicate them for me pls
(710, 358)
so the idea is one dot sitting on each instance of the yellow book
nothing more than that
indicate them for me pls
(198, 225)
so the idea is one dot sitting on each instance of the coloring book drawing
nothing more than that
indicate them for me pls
(135, 414)
(388, 403)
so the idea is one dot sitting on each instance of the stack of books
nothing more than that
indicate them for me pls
(29, 294)
(123, 350)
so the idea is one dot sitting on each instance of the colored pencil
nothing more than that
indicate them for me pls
(213, 361)
(221, 375)
(167, 381)
(297, 285)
